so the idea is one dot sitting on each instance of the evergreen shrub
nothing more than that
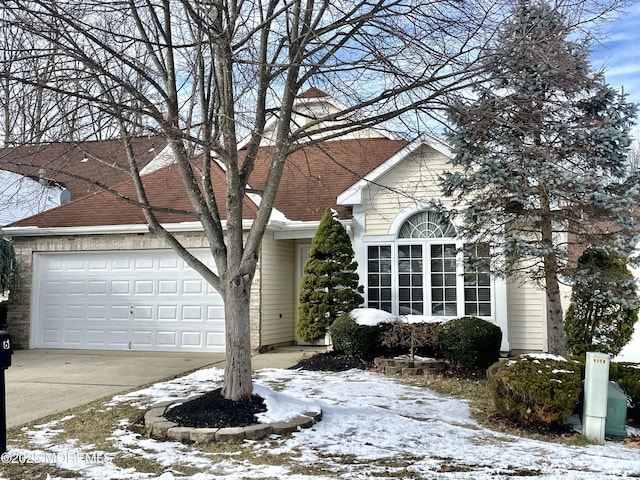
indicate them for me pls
(359, 341)
(536, 392)
(470, 342)
(604, 304)
(627, 375)
(330, 281)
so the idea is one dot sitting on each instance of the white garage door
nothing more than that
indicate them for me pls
(115, 300)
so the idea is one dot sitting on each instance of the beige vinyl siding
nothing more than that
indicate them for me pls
(278, 290)
(412, 180)
(526, 307)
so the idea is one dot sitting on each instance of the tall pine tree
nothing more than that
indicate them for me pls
(329, 282)
(539, 153)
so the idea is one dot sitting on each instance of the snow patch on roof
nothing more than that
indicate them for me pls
(163, 159)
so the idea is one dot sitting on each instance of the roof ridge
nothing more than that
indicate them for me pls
(313, 92)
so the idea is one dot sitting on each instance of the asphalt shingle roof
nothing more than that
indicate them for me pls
(312, 180)
(71, 164)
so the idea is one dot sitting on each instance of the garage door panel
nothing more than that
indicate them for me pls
(97, 287)
(73, 336)
(192, 313)
(214, 313)
(51, 336)
(143, 312)
(122, 263)
(97, 337)
(192, 339)
(75, 287)
(120, 287)
(53, 287)
(75, 265)
(167, 313)
(144, 263)
(119, 313)
(143, 338)
(144, 300)
(98, 264)
(75, 312)
(214, 339)
(193, 287)
(118, 338)
(167, 339)
(168, 287)
(143, 287)
(97, 313)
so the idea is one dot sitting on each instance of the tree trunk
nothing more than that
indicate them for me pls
(237, 371)
(555, 317)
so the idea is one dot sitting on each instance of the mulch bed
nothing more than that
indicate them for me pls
(212, 410)
(331, 362)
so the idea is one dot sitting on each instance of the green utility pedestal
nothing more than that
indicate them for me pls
(616, 412)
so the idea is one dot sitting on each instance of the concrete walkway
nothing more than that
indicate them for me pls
(45, 382)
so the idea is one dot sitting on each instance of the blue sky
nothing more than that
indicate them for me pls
(619, 51)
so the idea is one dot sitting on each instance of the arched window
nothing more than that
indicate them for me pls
(427, 224)
(422, 272)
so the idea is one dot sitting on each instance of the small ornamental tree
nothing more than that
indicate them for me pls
(411, 335)
(329, 282)
(604, 304)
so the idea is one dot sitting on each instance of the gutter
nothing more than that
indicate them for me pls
(282, 230)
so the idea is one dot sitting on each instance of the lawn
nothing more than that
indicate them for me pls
(373, 427)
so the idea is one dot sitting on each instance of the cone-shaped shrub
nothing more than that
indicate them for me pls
(329, 282)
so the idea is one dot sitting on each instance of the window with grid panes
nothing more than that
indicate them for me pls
(422, 273)
(379, 277)
(477, 283)
(410, 280)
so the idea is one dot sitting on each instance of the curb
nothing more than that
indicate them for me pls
(156, 426)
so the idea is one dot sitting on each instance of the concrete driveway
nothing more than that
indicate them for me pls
(44, 382)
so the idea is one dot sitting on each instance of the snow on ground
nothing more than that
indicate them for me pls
(372, 427)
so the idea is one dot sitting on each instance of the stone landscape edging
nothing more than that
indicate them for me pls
(159, 428)
(406, 366)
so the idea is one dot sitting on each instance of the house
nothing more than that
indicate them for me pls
(94, 277)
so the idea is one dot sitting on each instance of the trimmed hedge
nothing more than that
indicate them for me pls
(536, 391)
(472, 343)
(359, 341)
(627, 375)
